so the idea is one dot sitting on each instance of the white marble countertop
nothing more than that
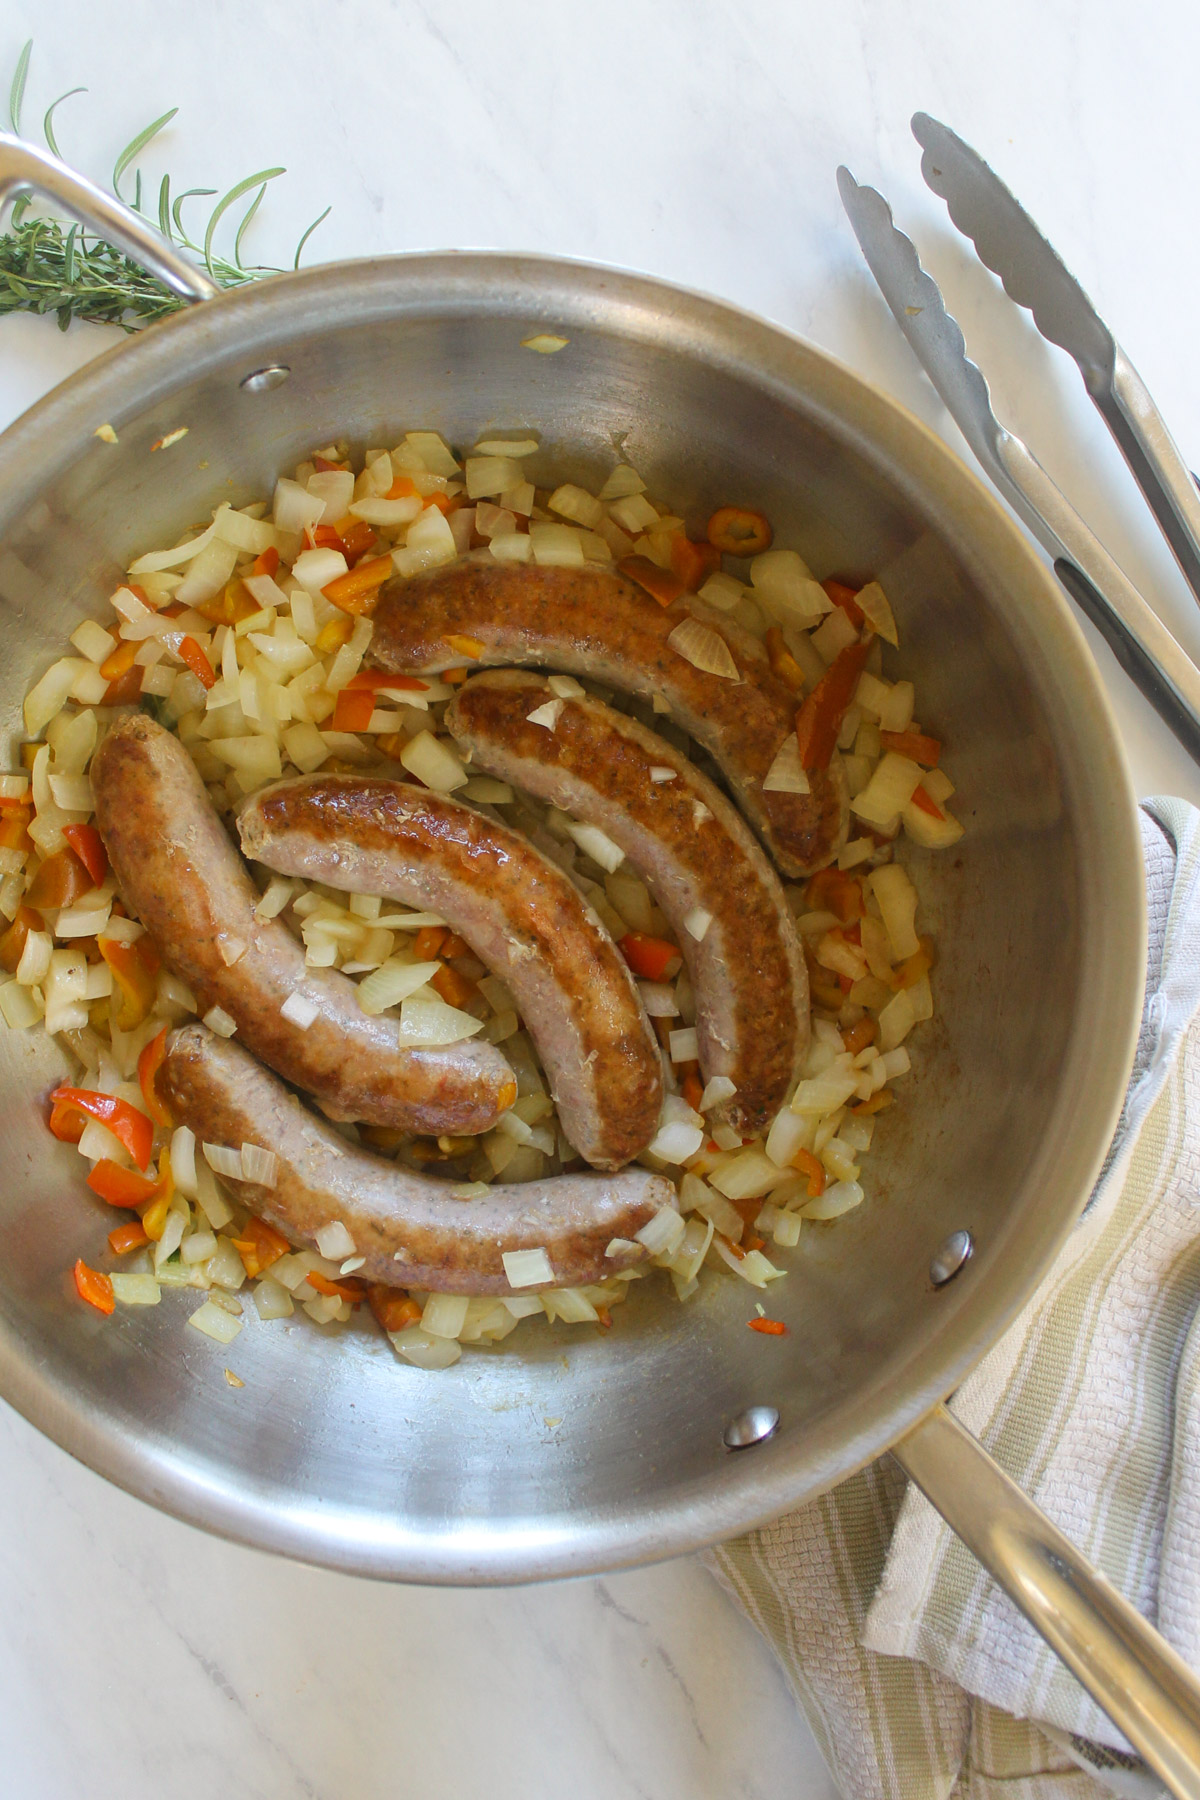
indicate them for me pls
(696, 139)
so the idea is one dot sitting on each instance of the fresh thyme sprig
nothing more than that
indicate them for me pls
(47, 266)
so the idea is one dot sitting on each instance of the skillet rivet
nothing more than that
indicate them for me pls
(953, 1255)
(754, 1426)
(261, 381)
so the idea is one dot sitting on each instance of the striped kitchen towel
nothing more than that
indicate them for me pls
(918, 1676)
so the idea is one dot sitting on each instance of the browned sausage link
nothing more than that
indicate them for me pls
(412, 1231)
(747, 970)
(518, 912)
(177, 869)
(594, 622)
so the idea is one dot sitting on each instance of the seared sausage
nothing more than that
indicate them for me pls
(696, 854)
(177, 869)
(516, 909)
(594, 622)
(412, 1230)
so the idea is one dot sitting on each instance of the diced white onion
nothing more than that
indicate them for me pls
(175, 558)
(219, 1021)
(723, 591)
(746, 1175)
(444, 1315)
(335, 1242)
(259, 1166)
(522, 446)
(511, 546)
(315, 569)
(183, 1159)
(659, 772)
(662, 1234)
(697, 922)
(422, 1350)
(393, 982)
(658, 998)
(676, 1141)
(683, 1045)
(717, 1090)
(547, 715)
(223, 1160)
(785, 775)
(429, 542)
(527, 1268)
(231, 950)
(334, 488)
(272, 1300)
(897, 898)
(556, 546)
(874, 604)
(135, 1290)
(300, 1010)
(215, 1322)
(576, 504)
(704, 648)
(433, 451)
(619, 1246)
(597, 844)
(295, 508)
(433, 762)
(566, 687)
(424, 1024)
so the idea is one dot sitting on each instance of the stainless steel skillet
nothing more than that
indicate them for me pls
(576, 1455)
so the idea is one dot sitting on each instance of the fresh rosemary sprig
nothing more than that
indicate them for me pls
(48, 266)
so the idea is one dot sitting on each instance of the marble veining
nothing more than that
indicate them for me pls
(698, 141)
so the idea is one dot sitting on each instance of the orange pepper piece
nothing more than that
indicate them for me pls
(820, 718)
(913, 744)
(843, 596)
(649, 957)
(126, 689)
(809, 1165)
(120, 1186)
(401, 488)
(71, 1108)
(266, 562)
(352, 709)
(356, 591)
(12, 943)
(118, 661)
(857, 1037)
(768, 1327)
(926, 804)
(332, 635)
(14, 828)
(883, 1097)
(148, 1065)
(392, 1307)
(60, 881)
(452, 987)
(125, 1238)
(88, 846)
(739, 531)
(693, 563)
(371, 680)
(259, 1246)
(836, 891)
(662, 585)
(197, 662)
(429, 941)
(93, 1287)
(783, 663)
(692, 1086)
(135, 967)
(234, 602)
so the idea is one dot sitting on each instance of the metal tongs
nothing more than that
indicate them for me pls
(1011, 245)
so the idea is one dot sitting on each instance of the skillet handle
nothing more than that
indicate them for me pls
(1146, 1689)
(26, 170)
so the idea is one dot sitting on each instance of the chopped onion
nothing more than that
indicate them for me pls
(429, 543)
(658, 998)
(135, 1290)
(434, 452)
(259, 1166)
(837, 1199)
(175, 558)
(183, 1159)
(566, 687)
(875, 605)
(683, 1045)
(547, 715)
(897, 899)
(619, 1246)
(272, 1300)
(558, 546)
(444, 1315)
(723, 591)
(223, 1160)
(676, 1141)
(231, 950)
(278, 892)
(219, 1021)
(425, 1024)
(659, 772)
(576, 504)
(315, 569)
(294, 509)
(92, 641)
(197, 1247)
(215, 1322)
(697, 922)
(662, 1234)
(522, 446)
(433, 762)
(545, 343)
(335, 489)
(300, 1010)
(746, 1175)
(527, 1268)
(924, 829)
(623, 481)
(785, 775)
(425, 1352)
(597, 844)
(19, 1006)
(783, 583)
(704, 649)
(889, 790)
(717, 1090)
(335, 1242)
(700, 814)
(511, 546)
(393, 982)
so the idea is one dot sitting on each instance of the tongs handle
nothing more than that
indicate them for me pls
(1124, 402)
(27, 170)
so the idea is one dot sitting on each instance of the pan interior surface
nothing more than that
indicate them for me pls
(571, 1450)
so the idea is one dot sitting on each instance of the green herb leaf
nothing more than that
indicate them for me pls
(48, 121)
(223, 205)
(135, 146)
(319, 220)
(16, 92)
